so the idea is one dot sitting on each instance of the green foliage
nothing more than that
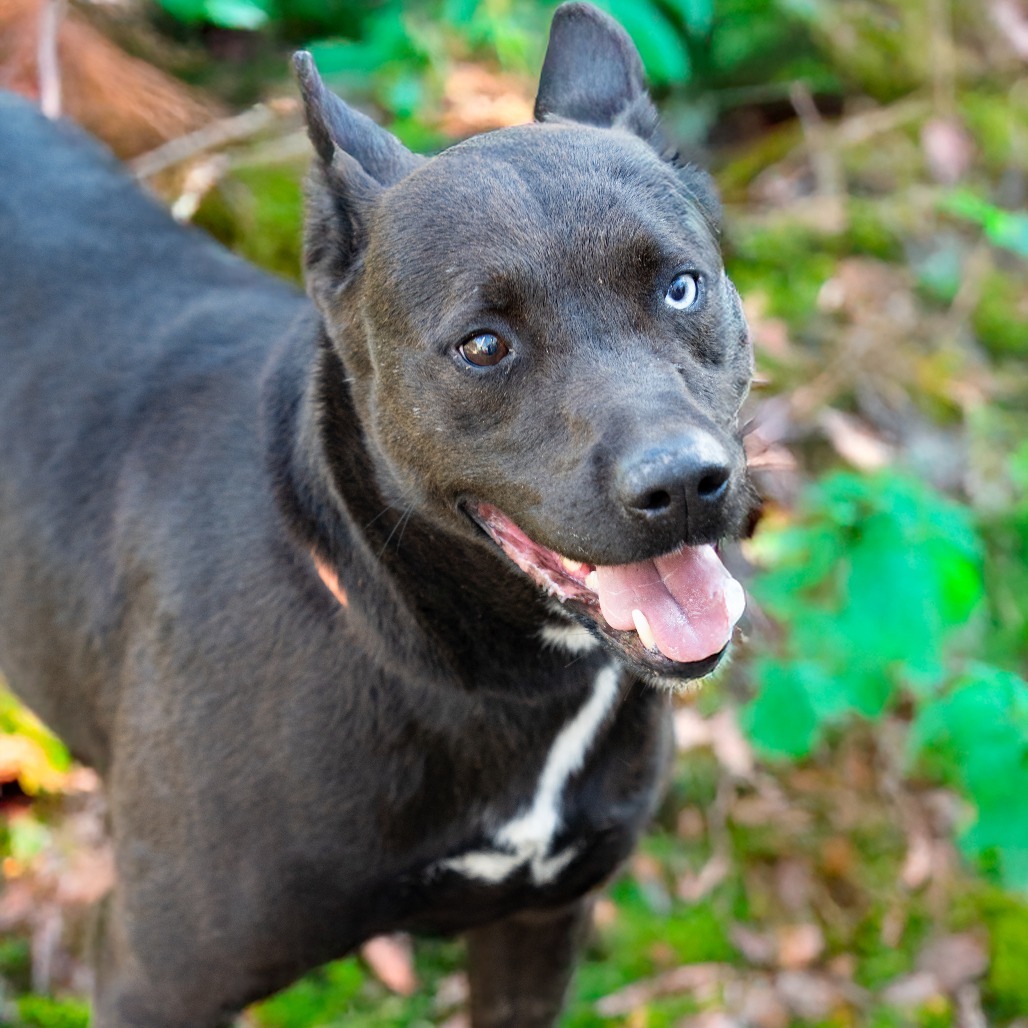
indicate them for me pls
(873, 582)
(18, 720)
(45, 1012)
(343, 993)
(1007, 920)
(397, 51)
(1001, 316)
(320, 998)
(789, 263)
(1005, 229)
(977, 736)
(257, 212)
(229, 14)
(880, 582)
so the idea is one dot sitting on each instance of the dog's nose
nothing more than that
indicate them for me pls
(679, 482)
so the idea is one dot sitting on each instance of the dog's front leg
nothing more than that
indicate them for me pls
(520, 967)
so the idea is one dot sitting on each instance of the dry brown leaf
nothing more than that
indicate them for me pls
(758, 948)
(919, 863)
(692, 730)
(809, 995)
(838, 856)
(799, 945)
(730, 747)
(461, 1020)
(911, 990)
(955, 960)
(757, 1005)
(477, 99)
(969, 1008)
(794, 884)
(692, 888)
(854, 441)
(711, 1019)
(1011, 19)
(128, 103)
(605, 913)
(948, 149)
(690, 824)
(699, 979)
(391, 960)
(451, 992)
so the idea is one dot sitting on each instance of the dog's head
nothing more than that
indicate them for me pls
(543, 346)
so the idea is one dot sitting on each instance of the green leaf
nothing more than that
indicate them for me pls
(977, 737)
(781, 720)
(1006, 229)
(236, 14)
(228, 14)
(662, 50)
(696, 15)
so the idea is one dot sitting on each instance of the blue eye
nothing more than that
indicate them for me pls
(683, 292)
(484, 350)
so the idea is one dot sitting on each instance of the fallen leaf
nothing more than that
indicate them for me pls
(810, 996)
(799, 945)
(700, 979)
(758, 948)
(391, 960)
(969, 1008)
(954, 960)
(757, 1004)
(948, 149)
(692, 888)
(730, 747)
(911, 990)
(919, 862)
(854, 441)
(1012, 21)
(452, 991)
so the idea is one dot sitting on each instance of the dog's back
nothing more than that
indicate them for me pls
(116, 325)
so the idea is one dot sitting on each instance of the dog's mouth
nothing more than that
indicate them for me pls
(671, 617)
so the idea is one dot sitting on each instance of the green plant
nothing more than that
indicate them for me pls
(879, 583)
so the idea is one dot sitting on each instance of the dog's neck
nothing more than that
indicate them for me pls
(442, 601)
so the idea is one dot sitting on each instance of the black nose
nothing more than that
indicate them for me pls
(680, 482)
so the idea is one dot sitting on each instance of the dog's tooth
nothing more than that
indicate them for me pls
(642, 626)
(592, 581)
(735, 600)
(574, 566)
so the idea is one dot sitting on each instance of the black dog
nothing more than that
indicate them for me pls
(358, 606)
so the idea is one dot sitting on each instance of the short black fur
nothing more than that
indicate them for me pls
(187, 442)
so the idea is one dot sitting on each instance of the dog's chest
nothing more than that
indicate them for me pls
(539, 842)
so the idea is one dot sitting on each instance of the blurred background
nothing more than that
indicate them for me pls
(845, 837)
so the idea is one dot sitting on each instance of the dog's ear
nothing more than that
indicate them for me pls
(333, 125)
(355, 160)
(592, 73)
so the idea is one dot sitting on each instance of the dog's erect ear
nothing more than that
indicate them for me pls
(592, 73)
(355, 160)
(333, 125)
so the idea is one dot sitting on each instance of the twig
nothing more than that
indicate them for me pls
(47, 58)
(823, 159)
(210, 137)
(859, 128)
(942, 50)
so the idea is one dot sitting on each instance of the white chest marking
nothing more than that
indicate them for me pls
(527, 838)
(573, 639)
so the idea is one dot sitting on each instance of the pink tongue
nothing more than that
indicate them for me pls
(682, 596)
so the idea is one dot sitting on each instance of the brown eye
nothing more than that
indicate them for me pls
(484, 350)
